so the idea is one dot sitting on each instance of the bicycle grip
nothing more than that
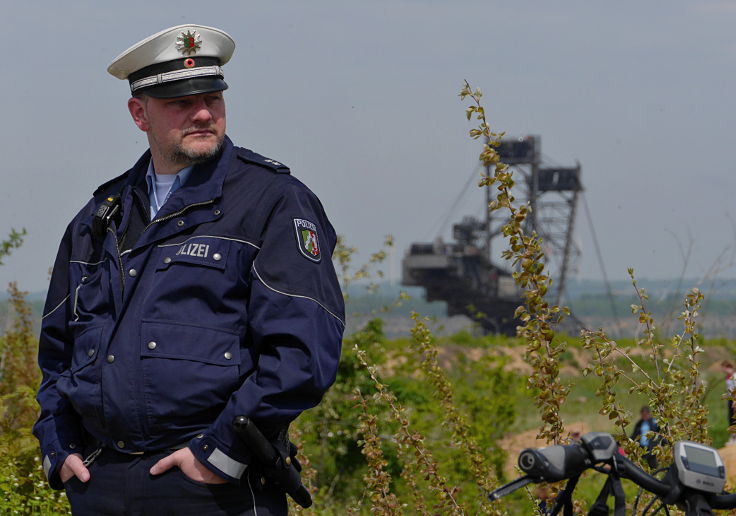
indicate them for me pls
(554, 463)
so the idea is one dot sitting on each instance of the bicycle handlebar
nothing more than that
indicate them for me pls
(560, 462)
(554, 463)
(631, 471)
(723, 501)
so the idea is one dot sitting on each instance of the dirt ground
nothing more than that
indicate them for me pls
(728, 454)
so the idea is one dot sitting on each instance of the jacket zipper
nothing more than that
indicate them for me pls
(177, 213)
(120, 261)
(167, 217)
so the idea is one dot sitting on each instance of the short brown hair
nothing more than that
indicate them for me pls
(727, 364)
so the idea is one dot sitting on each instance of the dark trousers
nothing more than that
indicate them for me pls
(120, 484)
(731, 421)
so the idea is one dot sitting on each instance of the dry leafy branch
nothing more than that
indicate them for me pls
(675, 392)
(453, 419)
(525, 253)
(14, 241)
(377, 479)
(407, 438)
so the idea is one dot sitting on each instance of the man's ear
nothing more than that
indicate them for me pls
(137, 108)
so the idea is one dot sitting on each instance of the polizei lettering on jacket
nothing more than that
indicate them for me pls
(198, 250)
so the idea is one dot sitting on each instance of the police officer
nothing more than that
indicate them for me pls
(194, 288)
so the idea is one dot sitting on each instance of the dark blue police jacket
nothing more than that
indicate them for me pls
(227, 303)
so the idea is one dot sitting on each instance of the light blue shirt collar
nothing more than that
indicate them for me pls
(153, 197)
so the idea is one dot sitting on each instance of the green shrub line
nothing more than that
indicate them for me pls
(484, 387)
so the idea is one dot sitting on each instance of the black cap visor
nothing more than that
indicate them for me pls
(184, 87)
(211, 81)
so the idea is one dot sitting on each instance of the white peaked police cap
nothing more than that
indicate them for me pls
(178, 61)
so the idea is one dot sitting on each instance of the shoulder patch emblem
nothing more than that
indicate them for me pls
(307, 239)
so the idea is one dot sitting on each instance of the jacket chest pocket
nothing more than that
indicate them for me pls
(80, 384)
(197, 280)
(189, 372)
(91, 295)
(86, 345)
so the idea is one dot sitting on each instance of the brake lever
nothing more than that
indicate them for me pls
(511, 487)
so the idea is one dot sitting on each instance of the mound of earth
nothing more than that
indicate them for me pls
(728, 454)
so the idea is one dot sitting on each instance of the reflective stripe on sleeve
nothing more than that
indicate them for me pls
(47, 466)
(227, 465)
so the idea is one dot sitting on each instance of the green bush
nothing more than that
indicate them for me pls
(23, 486)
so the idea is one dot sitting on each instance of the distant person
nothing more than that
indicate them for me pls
(642, 435)
(728, 370)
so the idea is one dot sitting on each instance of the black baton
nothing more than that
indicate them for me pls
(275, 468)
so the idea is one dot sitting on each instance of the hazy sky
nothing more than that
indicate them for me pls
(360, 100)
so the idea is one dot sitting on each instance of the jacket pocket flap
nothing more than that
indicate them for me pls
(86, 345)
(189, 342)
(210, 252)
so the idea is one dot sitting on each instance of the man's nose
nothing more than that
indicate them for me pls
(201, 113)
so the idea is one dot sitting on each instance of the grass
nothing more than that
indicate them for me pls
(583, 406)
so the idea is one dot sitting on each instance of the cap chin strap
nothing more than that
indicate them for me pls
(176, 75)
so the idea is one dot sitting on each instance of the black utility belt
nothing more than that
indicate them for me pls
(92, 452)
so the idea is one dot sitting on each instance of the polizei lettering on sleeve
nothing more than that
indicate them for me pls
(198, 250)
(307, 239)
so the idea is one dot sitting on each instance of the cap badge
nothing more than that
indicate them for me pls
(188, 42)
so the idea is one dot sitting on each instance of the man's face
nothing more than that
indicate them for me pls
(646, 415)
(182, 130)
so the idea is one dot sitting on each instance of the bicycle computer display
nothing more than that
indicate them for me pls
(699, 467)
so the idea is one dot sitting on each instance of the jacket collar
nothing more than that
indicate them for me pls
(204, 183)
